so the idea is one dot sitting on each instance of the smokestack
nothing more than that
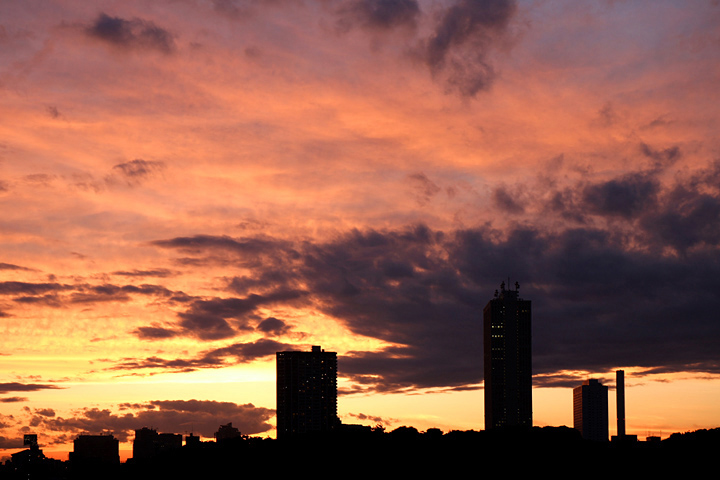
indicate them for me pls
(620, 392)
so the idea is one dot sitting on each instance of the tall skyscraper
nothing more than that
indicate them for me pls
(306, 392)
(590, 410)
(508, 360)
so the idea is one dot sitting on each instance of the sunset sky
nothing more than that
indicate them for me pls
(189, 186)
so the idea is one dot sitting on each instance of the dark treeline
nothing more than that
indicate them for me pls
(401, 452)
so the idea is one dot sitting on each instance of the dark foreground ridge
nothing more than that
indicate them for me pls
(402, 452)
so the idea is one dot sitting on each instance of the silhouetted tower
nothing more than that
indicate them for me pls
(508, 360)
(306, 392)
(620, 393)
(30, 439)
(590, 410)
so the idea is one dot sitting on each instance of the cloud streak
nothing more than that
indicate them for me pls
(202, 417)
(233, 354)
(25, 387)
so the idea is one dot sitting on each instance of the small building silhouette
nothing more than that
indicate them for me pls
(148, 443)
(92, 450)
(227, 432)
(192, 440)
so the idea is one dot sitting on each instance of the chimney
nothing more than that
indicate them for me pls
(620, 392)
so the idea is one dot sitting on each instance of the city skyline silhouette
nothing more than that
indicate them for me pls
(189, 187)
(310, 431)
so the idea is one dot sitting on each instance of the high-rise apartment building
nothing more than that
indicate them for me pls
(306, 392)
(508, 360)
(590, 410)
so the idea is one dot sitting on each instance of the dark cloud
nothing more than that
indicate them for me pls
(246, 9)
(230, 8)
(627, 197)
(688, 219)
(175, 365)
(211, 319)
(40, 179)
(458, 49)
(53, 111)
(239, 307)
(680, 216)
(45, 412)
(171, 416)
(158, 272)
(607, 115)
(10, 266)
(661, 158)
(507, 202)
(390, 285)
(405, 369)
(244, 247)
(380, 15)
(265, 279)
(11, 442)
(135, 171)
(145, 289)
(707, 177)
(601, 298)
(51, 300)
(7, 421)
(661, 121)
(424, 188)
(13, 399)
(25, 288)
(247, 352)
(273, 326)
(154, 333)
(25, 387)
(565, 204)
(596, 305)
(101, 293)
(397, 286)
(207, 319)
(135, 34)
(564, 380)
(237, 9)
(206, 326)
(371, 418)
(57, 295)
(215, 358)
